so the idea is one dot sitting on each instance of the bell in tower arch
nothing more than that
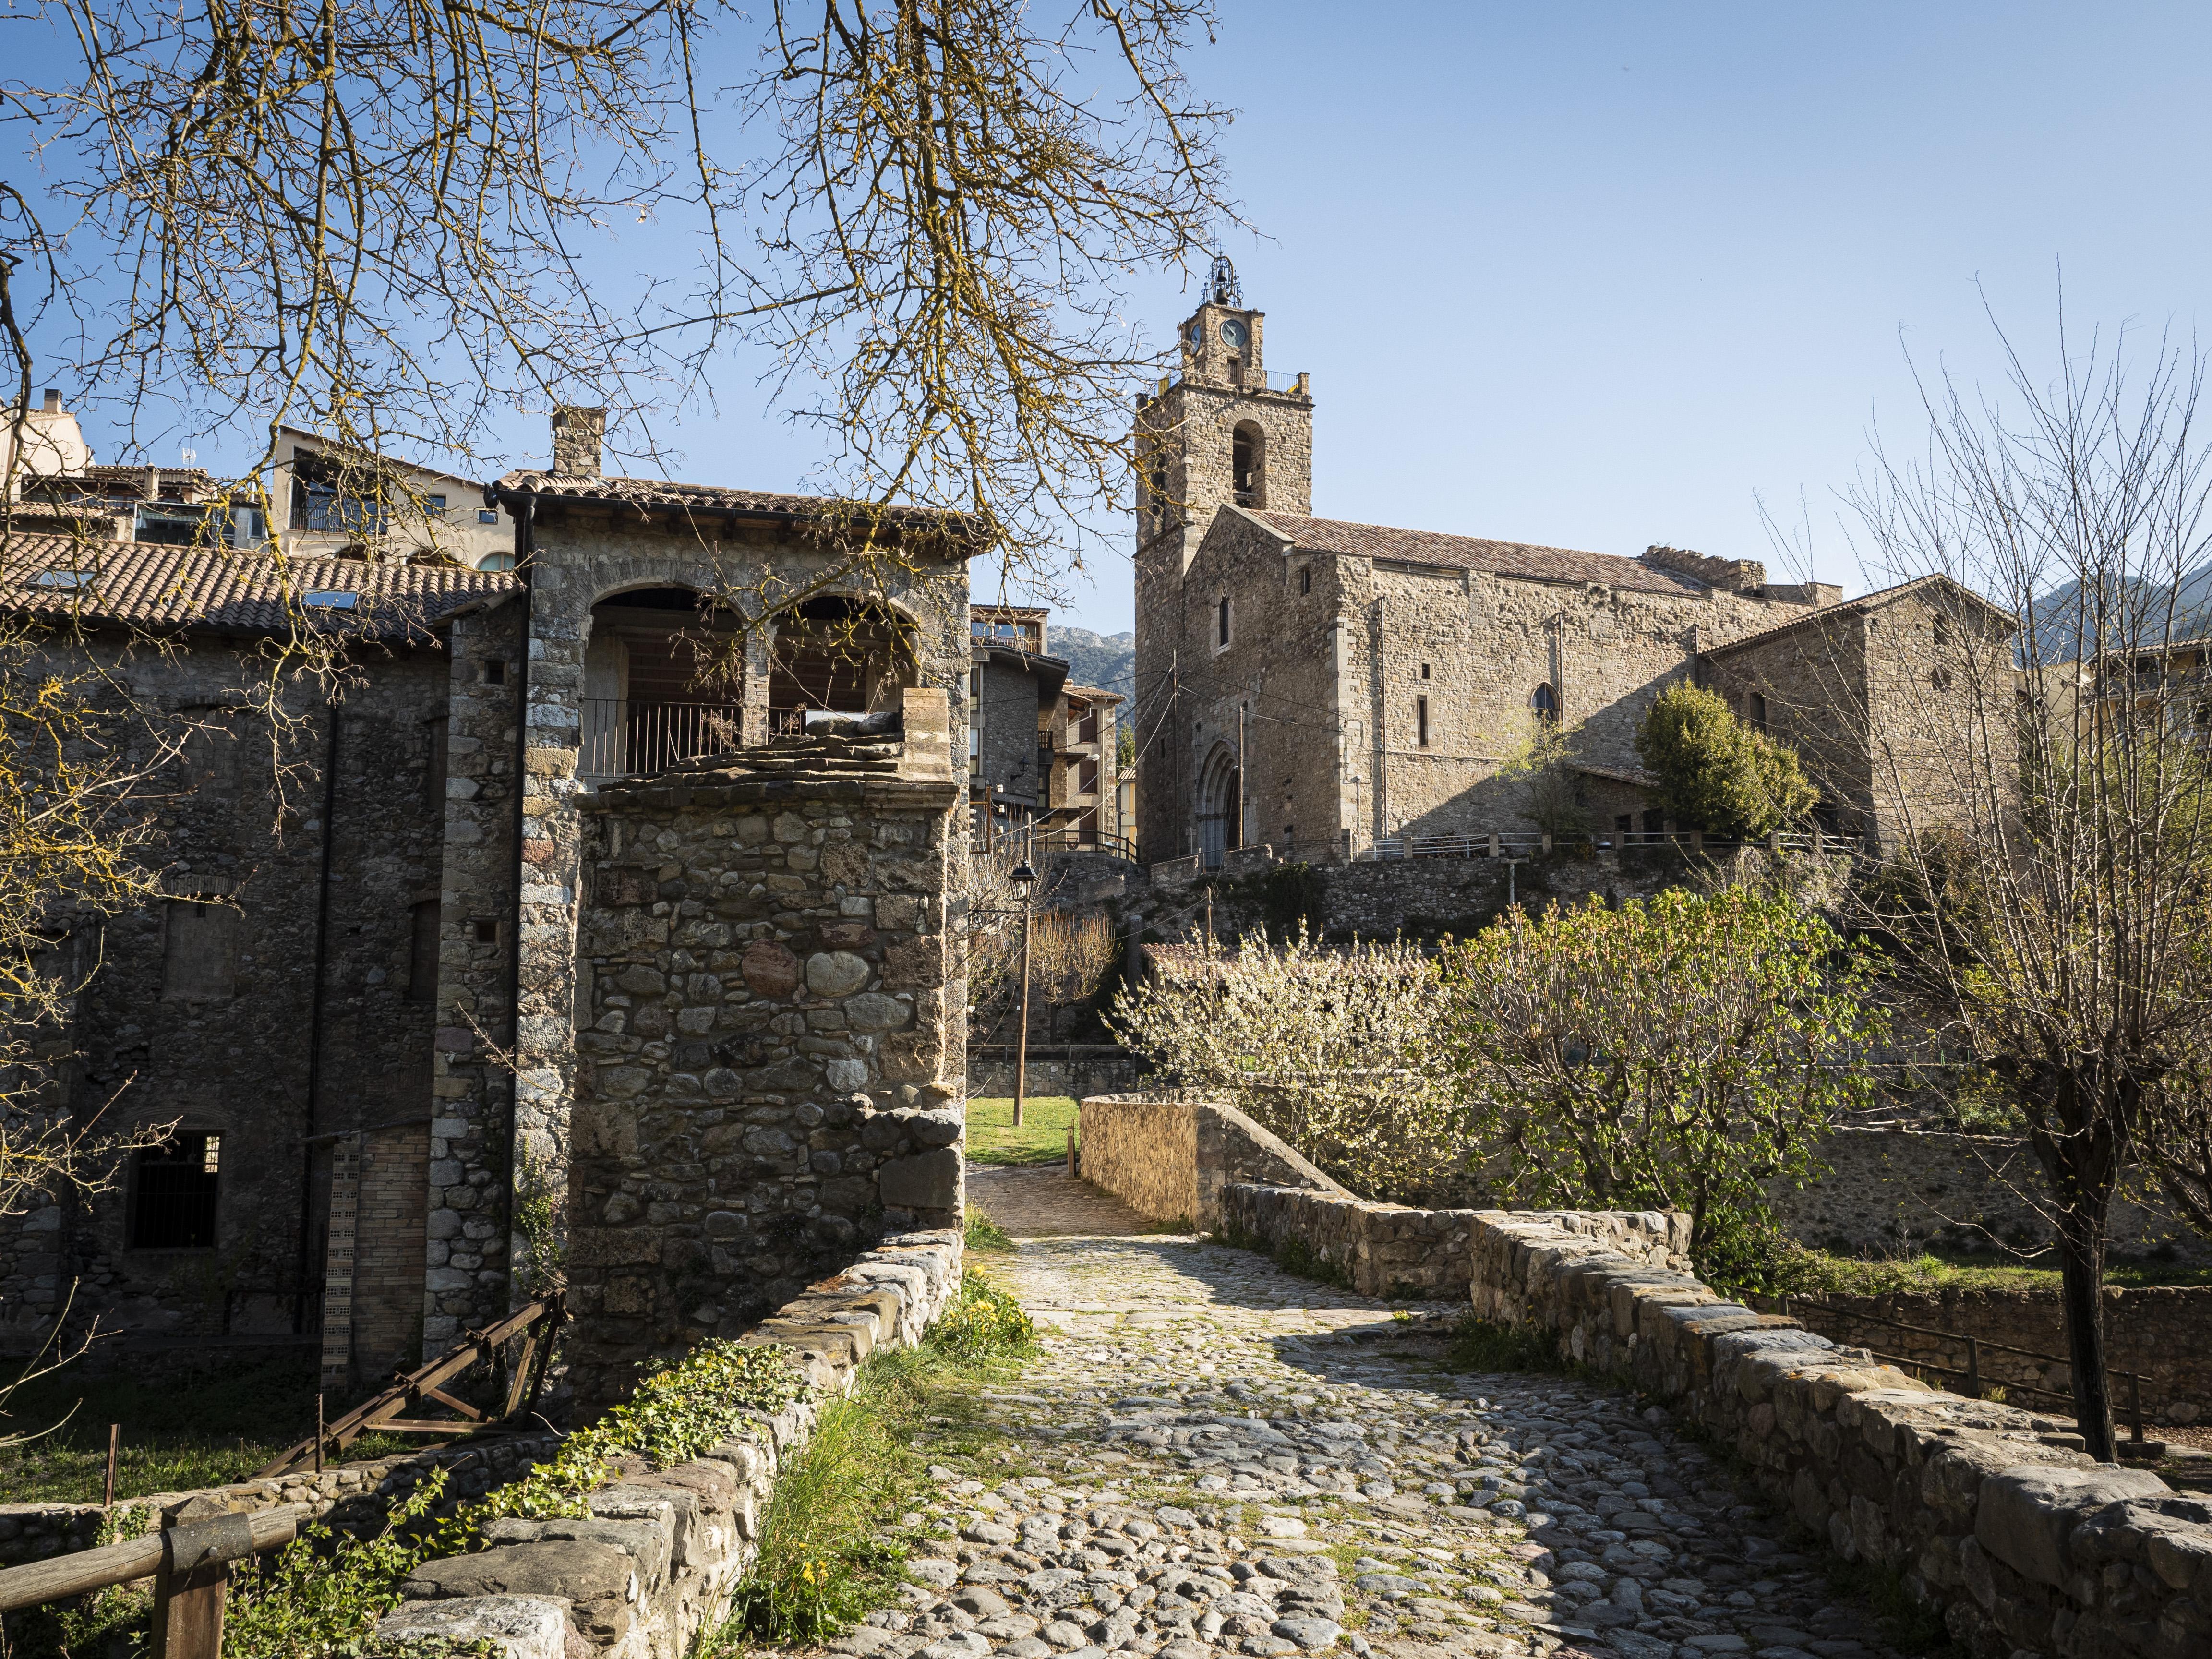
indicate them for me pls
(1222, 288)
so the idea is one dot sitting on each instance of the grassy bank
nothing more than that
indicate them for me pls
(834, 1539)
(182, 1429)
(1816, 1273)
(1042, 1138)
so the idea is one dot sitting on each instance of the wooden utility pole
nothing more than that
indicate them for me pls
(1025, 877)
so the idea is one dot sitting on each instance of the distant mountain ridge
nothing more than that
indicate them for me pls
(1107, 661)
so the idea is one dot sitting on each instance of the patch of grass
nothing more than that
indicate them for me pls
(1293, 1255)
(1799, 1272)
(1478, 1345)
(984, 1235)
(829, 1554)
(1042, 1137)
(181, 1430)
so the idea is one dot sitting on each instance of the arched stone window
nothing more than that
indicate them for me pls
(1248, 464)
(1546, 702)
(849, 656)
(660, 683)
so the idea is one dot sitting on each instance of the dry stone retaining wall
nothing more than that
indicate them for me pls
(1991, 1512)
(2162, 1333)
(1059, 1068)
(352, 1497)
(653, 1564)
(1892, 1189)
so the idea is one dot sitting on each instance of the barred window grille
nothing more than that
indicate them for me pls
(173, 1201)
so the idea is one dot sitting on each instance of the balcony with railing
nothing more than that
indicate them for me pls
(625, 739)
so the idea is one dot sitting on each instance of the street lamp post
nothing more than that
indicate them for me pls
(1024, 877)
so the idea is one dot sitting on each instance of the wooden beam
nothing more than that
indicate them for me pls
(461, 1406)
(87, 1570)
(474, 1347)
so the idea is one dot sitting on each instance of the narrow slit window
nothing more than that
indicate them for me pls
(1421, 719)
(1224, 620)
(437, 763)
(422, 952)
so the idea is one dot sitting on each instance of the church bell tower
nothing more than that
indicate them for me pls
(1223, 431)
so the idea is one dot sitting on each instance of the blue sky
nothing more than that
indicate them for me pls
(1600, 275)
(1603, 275)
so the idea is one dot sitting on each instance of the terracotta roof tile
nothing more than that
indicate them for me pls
(709, 498)
(1864, 602)
(1522, 559)
(143, 586)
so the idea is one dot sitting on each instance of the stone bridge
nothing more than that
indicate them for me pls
(1213, 1457)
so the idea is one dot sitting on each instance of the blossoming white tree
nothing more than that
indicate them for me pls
(1339, 1053)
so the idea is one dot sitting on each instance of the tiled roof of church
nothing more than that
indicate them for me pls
(143, 585)
(1555, 564)
(1864, 602)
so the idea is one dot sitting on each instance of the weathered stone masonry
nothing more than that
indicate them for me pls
(585, 538)
(285, 999)
(772, 1068)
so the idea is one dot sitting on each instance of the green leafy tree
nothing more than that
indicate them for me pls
(1685, 1053)
(1715, 770)
(1543, 764)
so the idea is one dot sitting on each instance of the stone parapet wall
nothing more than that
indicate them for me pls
(1381, 1249)
(1142, 1151)
(653, 1567)
(1989, 1511)
(1172, 1156)
(1058, 1068)
(2163, 1334)
(351, 1497)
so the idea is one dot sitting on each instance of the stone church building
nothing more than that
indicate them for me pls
(1315, 686)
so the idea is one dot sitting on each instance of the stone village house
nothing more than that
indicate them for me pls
(1040, 748)
(501, 935)
(1315, 686)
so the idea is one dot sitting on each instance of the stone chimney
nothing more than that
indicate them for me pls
(53, 401)
(576, 435)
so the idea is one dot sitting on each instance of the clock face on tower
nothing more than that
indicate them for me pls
(1196, 337)
(1233, 334)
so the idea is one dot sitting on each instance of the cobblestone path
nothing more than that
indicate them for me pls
(1211, 1457)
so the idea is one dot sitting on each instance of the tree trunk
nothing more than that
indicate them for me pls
(2081, 1265)
(2079, 1140)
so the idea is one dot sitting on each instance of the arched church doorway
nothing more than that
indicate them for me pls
(1221, 807)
